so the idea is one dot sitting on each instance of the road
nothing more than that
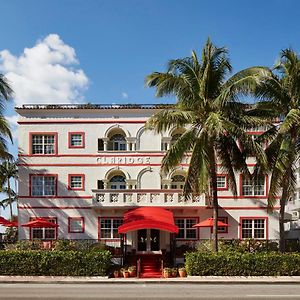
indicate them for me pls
(15, 291)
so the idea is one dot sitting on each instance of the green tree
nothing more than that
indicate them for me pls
(5, 95)
(279, 92)
(207, 105)
(8, 172)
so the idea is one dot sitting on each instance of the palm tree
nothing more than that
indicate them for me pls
(207, 105)
(8, 171)
(12, 197)
(5, 95)
(279, 90)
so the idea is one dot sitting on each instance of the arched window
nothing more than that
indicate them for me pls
(117, 182)
(175, 137)
(118, 142)
(177, 182)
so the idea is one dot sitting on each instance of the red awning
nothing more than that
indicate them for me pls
(148, 218)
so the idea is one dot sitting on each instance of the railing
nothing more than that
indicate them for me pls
(145, 198)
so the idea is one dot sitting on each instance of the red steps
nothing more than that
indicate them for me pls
(151, 267)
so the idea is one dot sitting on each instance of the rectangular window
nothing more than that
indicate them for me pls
(76, 182)
(43, 144)
(43, 185)
(76, 225)
(253, 187)
(76, 140)
(221, 182)
(109, 228)
(186, 229)
(223, 229)
(253, 228)
(44, 233)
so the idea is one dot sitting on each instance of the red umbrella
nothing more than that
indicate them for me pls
(11, 224)
(210, 223)
(40, 223)
(3, 221)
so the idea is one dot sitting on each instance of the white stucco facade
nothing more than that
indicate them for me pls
(115, 166)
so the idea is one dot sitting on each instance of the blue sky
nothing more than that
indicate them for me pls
(118, 42)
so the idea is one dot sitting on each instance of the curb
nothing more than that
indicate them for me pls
(187, 280)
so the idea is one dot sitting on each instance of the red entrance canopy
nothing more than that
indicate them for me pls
(3, 221)
(148, 218)
(40, 223)
(210, 223)
(11, 224)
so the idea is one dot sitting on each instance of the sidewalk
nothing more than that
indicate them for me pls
(178, 280)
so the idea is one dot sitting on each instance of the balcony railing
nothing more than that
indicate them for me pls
(138, 197)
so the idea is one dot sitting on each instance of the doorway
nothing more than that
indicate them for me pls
(148, 240)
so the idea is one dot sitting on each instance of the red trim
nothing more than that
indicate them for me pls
(197, 229)
(82, 122)
(82, 140)
(99, 227)
(56, 197)
(82, 182)
(226, 182)
(265, 196)
(47, 218)
(54, 207)
(31, 133)
(43, 175)
(252, 218)
(244, 207)
(76, 218)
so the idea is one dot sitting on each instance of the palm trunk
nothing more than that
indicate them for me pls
(215, 206)
(283, 200)
(9, 199)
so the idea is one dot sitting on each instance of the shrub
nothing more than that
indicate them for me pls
(24, 245)
(242, 264)
(55, 263)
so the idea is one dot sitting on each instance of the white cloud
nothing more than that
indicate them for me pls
(46, 73)
(124, 95)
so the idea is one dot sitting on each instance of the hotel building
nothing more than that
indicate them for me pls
(94, 170)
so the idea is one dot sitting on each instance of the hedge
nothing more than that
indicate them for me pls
(55, 263)
(242, 264)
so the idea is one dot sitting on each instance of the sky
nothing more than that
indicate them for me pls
(77, 51)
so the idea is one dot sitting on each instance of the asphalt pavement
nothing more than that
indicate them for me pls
(147, 291)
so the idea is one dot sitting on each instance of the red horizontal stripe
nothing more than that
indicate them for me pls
(82, 122)
(54, 207)
(56, 197)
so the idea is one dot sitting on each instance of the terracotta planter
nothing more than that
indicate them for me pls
(132, 273)
(116, 274)
(126, 274)
(182, 273)
(174, 273)
(167, 274)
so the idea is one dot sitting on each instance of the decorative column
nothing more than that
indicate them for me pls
(105, 183)
(105, 143)
(131, 143)
(166, 182)
(166, 142)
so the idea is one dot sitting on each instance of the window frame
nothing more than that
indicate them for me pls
(196, 219)
(252, 218)
(82, 139)
(226, 182)
(43, 133)
(82, 188)
(111, 238)
(266, 188)
(70, 219)
(42, 175)
(43, 229)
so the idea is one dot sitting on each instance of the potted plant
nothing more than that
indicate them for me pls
(126, 273)
(167, 272)
(174, 272)
(132, 271)
(182, 272)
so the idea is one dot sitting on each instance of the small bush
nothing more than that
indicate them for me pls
(55, 263)
(242, 264)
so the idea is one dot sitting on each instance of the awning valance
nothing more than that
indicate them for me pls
(148, 218)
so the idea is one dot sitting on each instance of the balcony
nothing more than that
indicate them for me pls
(139, 197)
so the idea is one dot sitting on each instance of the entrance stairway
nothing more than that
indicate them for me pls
(151, 266)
